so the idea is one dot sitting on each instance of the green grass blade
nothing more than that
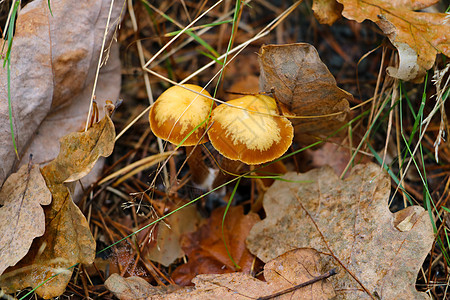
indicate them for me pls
(8, 68)
(49, 7)
(173, 33)
(233, 32)
(7, 63)
(10, 32)
(188, 32)
(223, 223)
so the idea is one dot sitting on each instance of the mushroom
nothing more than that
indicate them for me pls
(250, 129)
(179, 112)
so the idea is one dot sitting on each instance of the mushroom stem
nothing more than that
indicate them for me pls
(199, 170)
(228, 169)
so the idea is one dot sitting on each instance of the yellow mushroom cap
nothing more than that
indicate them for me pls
(250, 135)
(177, 112)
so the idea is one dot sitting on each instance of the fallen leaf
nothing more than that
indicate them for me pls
(327, 11)
(333, 154)
(80, 150)
(206, 250)
(167, 247)
(354, 218)
(302, 82)
(67, 239)
(53, 62)
(418, 36)
(21, 215)
(134, 288)
(70, 118)
(292, 268)
(123, 259)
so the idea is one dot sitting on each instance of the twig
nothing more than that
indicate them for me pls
(296, 287)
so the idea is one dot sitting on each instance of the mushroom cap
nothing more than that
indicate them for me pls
(250, 134)
(177, 112)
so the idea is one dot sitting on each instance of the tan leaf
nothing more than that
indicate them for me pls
(418, 36)
(21, 216)
(67, 239)
(302, 82)
(354, 218)
(53, 63)
(134, 288)
(292, 268)
(80, 150)
(167, 247)
(327, 11)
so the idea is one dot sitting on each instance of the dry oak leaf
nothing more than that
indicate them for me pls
(292, 268)
(303, 83)
(206, 250)
(354, 218)
(418, 36)
(21, 215)
(67, 239)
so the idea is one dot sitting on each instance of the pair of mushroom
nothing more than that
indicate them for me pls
(248, 129)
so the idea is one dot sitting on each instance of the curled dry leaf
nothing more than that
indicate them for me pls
(302, 82)
(206, 250)
(292, 268)
(21, 215)
(418, 36)
(53, 63)
(354, 218)
(67, 239)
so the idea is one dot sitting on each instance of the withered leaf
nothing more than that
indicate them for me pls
(206, 250)
(80, 150)
(167, 247)
(302, 82)
(67, 239)
(327, 11)
(21, 216)
(134, 287)
(292, 268)
(354, 218)
(53, 63)
(418, 36)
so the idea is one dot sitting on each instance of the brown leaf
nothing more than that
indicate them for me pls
(53, 62)
(67, 239)
(21, 216)
(206, 250)
(327, 11)
(333, 154)
(292, 268)
(167, 247)
(302, 82)
(418, 36)
(354, 218)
